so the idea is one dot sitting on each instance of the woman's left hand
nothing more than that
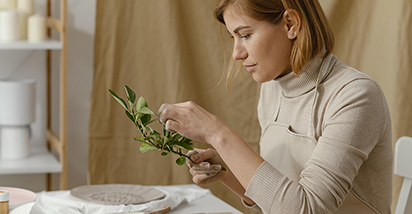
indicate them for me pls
(191, 121)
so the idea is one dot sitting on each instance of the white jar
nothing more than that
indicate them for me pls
(4, 202)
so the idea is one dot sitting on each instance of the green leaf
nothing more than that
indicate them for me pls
(149, 122)
(141, 103)
(131, 96)
(146, 110)
(159, 143)
(141, 139)
(119, 100)
(166, 133)
(145, 129)
(181, 160)
(165, 140)
(176, 137)
(145, 119)
(155, 134)
(184, 144)
(186, 140)
(146, 147)
(130, 116)
(165, 153)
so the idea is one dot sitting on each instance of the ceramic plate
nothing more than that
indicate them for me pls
(117, 194)
(19, 196)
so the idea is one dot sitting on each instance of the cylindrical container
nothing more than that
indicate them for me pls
(23, 18)
(37, 28)
(17, 101)
(7, 4)
(15, 142)
(9, 25)
(26, 5)
(4, 202)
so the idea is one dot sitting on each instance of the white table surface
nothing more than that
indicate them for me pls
(208, 204)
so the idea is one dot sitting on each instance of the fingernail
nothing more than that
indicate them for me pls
(196, 157)
(205, 165)
(217, 168)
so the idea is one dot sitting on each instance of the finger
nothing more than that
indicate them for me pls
(192, 105)
(171, 125)
(160, 113)
(205, 168)
(206, 155)
(193, 156)
(166, 112)
(203, 179)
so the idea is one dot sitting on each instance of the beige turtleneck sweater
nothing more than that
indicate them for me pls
(353, 155)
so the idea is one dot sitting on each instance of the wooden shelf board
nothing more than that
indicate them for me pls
(50, 44)
(39, 161)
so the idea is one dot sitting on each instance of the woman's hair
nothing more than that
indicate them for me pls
(314, 34)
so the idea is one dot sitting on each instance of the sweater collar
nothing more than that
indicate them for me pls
(293, 86)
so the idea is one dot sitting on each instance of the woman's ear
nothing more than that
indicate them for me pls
(293, 23)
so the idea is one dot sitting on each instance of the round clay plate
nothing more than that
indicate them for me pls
(117, 194)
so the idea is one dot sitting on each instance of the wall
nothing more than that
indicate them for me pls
(31, 64)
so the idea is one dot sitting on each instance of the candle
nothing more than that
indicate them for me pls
(37, 28)
(9, 25)
(7, 4)
(26, 5)
(22, 24)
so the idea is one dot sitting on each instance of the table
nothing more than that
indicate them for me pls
(207, 204)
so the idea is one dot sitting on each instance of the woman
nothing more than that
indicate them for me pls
(326, 130)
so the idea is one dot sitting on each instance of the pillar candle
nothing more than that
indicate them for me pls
(37, 28)
(9, 25)
(7, 4)
(26, 5)
(22, 24)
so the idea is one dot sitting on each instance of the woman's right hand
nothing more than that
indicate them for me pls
(206, 166)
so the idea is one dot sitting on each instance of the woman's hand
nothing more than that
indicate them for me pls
(191, 121)
(206, 166)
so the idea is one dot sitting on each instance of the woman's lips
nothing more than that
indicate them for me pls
(249, 67)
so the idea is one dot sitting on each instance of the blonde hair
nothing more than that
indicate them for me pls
(315, 33)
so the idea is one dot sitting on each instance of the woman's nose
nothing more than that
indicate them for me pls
(239, 53)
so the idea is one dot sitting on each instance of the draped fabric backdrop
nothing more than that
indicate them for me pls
(170, 51)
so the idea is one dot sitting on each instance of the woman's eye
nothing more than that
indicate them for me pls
(247, 36)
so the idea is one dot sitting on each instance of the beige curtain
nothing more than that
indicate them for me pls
(171, 51)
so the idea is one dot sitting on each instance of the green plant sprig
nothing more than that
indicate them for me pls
(139, 113)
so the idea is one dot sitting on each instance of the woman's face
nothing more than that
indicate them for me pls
(264, 48)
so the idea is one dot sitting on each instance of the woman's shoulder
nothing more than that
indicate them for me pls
(346, 86)
(346, 78)
(343, 74)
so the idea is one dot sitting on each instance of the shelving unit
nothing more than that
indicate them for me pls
(43, 160)
(50, 44)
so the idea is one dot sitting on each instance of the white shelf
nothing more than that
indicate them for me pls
(40, 161)
(49, 44)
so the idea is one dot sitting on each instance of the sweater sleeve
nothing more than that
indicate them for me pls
(354, 122)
